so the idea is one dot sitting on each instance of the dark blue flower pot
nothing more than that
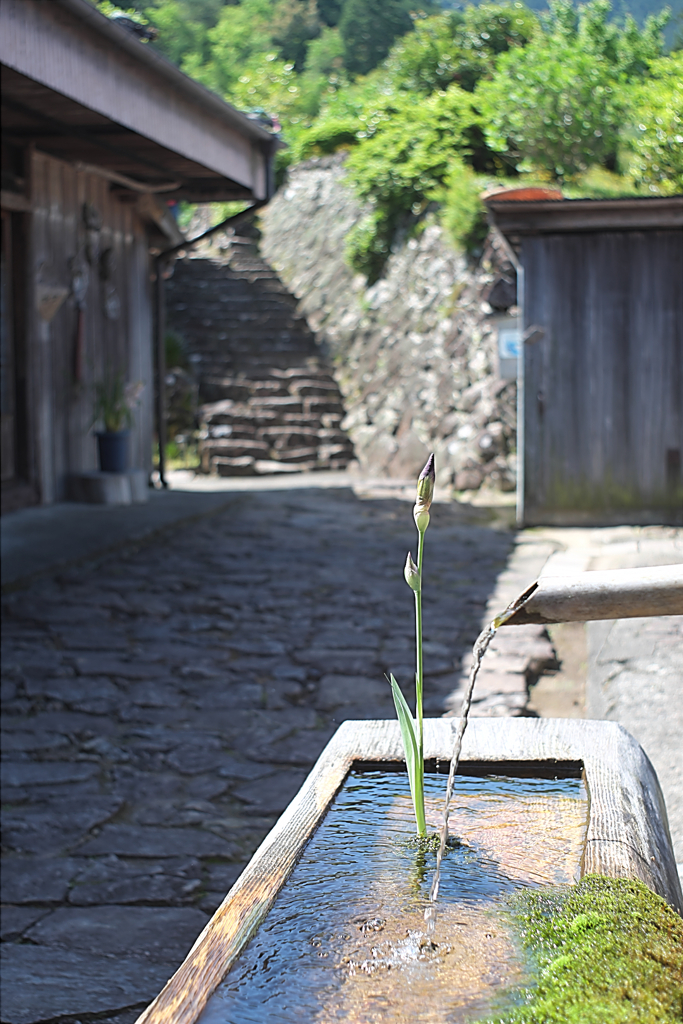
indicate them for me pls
(113, 451)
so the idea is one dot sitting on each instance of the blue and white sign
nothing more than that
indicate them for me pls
(509, 342)
(509, 347)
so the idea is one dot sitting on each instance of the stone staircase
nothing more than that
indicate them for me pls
(269, 402)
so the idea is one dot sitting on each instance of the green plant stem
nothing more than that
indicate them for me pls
(419, 787)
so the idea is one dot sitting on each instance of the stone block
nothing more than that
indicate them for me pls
(271, 796)
(101, 488)
(139, 486)
(299, 455)
(64, 983)
(112, 880)
(56, 826)
(146, 841)
(229, 447)
(26, 773)
(14, 921)
(36, 879)
(337, 691)
(97, 488)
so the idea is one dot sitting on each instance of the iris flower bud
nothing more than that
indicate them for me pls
(412, 574)
(425, 493)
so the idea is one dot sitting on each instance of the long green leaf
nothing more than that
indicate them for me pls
(415, 769)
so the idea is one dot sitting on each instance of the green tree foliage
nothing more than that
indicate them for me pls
(329, 11)
(324, 71)
(434, 104)
(653, 142)
(459, 46)
(463, 212)
(368, 28)
(559, 103)
(295, 23)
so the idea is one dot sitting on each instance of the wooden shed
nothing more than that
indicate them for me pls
(99, 132)
(600, 413)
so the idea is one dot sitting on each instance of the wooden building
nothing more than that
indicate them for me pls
(600, 420)
(99, 132)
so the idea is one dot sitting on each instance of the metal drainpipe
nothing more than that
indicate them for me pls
(519, 270)
(159, 266)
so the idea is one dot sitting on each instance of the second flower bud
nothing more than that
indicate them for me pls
(412, 574)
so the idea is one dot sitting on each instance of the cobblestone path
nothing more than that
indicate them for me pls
(162, 707)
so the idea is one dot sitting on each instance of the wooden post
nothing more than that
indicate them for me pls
(614, 594)
(160, 324)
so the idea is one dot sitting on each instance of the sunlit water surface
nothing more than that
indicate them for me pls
(345, 939)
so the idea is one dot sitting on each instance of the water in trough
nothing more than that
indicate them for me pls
(346, 940)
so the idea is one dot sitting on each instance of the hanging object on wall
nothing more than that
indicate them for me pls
(107, 263)
(49, 300)
(112, 303)
(93, 226)
(80, 279)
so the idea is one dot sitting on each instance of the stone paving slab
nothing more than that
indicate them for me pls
(163, 704)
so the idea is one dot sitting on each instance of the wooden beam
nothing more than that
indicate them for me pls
(15, 201)
(613, 594)
(627, 835)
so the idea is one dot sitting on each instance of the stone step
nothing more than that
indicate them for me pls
(270, 404)
(246, 429)
(286, 403)
(234, 446)
(318, 406)
(305, 453)
(307, 388)
(239, 466)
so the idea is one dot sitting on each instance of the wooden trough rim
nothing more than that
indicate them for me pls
(627, 834)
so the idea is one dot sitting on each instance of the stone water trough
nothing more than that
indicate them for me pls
(626, 834)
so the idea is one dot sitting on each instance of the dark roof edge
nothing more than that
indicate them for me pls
(629, 213)
(621, 202)
(85, 11)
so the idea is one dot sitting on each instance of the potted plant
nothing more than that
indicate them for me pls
(115, 401)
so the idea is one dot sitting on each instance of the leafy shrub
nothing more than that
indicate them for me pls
(653, 150)
(463, 213)
(409, 146)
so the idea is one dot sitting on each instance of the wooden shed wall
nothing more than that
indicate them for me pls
(603, 387)
(60, 410)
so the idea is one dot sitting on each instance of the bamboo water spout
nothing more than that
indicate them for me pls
(612, 594)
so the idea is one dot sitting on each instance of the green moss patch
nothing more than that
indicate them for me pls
(607, 951)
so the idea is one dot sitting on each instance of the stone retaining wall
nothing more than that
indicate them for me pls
(415, 353)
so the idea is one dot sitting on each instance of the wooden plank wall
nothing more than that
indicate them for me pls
(61, 410)
(604, 386)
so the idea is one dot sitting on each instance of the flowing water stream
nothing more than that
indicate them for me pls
(480, 648)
